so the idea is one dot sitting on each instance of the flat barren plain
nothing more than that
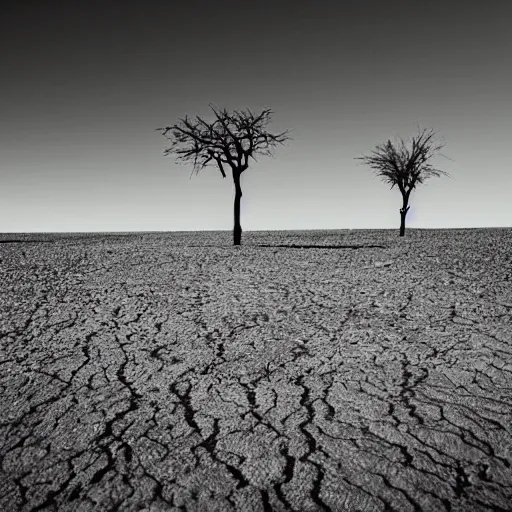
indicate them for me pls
(175, 372)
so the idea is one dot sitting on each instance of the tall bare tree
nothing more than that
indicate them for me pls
(406, 165)
(231, 139)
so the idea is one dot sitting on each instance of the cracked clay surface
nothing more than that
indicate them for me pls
(167, 372)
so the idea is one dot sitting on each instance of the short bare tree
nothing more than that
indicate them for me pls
(406, 165)
(231, 139)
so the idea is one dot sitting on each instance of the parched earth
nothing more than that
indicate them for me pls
(167, 372)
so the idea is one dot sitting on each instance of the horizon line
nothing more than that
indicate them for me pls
(244, 231)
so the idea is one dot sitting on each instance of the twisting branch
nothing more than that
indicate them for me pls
(232, 138)
(404, 166)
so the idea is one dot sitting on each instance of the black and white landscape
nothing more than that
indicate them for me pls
(307, 307)
(305, 371)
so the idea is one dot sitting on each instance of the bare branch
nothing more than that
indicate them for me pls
(403, 165)
(232, 139)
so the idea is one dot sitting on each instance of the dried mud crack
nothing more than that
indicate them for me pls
(147, 373)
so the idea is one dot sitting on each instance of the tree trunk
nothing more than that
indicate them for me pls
(403, 214)
(237, 230)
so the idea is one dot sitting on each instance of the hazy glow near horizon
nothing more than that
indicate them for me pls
(86, 86)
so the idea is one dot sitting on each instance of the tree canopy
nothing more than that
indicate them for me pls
(404, 164)
(232, 138)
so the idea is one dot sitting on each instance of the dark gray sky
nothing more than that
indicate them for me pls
(85, 83)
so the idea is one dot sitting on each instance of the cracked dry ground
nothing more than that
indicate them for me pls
(153, 373)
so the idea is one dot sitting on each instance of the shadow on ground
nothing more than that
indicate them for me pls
(294, 246)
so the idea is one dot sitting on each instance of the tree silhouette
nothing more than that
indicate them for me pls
(406, 165)
(231, 139)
